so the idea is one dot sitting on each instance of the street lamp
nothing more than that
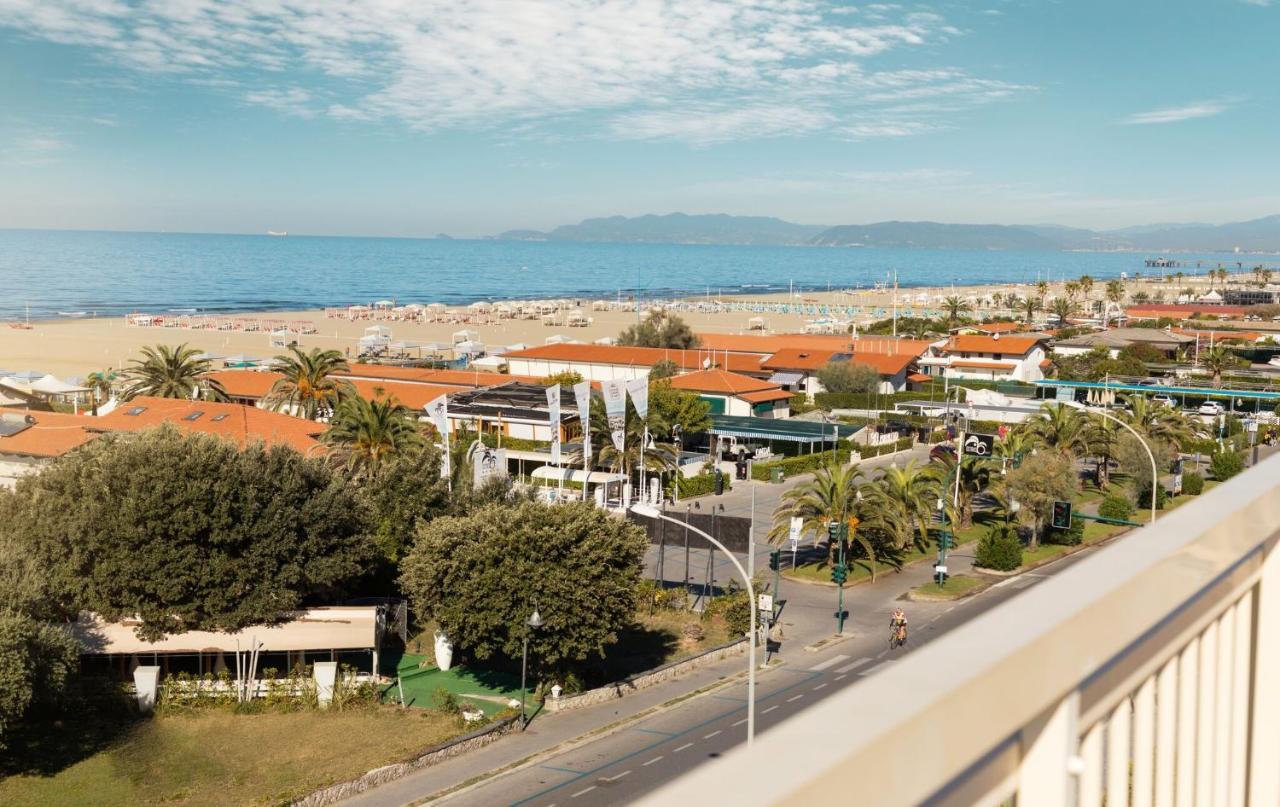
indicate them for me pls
(532, 623)
(1155, 474)
(648, 511)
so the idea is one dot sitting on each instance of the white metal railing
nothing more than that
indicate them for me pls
(1146, 674)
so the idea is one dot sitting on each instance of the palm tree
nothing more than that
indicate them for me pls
(1029, 307)
(1156, 422)
(1086, 284)
(1042, 288)
(365, 433)
(100, 384)
(658, 457)
(832, 495)
(172, 372)
(902, 502)
(307, 387)
(975, 478)
(1218, 359)
(1071, 288)
(1064, 428)
(954, 306)
(1062, 308)
(1115, 291)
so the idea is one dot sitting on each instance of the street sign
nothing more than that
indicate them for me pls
(797, 524)
(939, 569)
(1061, 516)
(764, 603)
(795, 543)
(979, 445)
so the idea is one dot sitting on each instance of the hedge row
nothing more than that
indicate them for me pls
(701, 485)
(807, 463)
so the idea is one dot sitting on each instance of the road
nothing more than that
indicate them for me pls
(625, 765)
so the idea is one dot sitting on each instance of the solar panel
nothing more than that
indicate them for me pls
(135, 411)
(217, 418)
(9, 428)
(194, 416)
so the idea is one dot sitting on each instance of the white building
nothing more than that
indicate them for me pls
(988, 358)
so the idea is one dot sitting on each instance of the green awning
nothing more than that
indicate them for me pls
(795, 431)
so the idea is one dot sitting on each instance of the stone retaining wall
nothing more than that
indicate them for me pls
(388, 773)
(645, 679)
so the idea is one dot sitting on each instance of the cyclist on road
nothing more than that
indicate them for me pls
(898, 625)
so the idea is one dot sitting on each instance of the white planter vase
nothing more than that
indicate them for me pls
(444, 652)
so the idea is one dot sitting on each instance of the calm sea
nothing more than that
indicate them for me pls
(107, 273)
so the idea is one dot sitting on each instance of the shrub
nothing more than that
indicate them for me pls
(847, 376)
(735, 607)
(1072, 536)
(1144, 498)
(1192, 484)
(1115, 507)
(1226, 464)
(445, 701)
(700, 485)
(999, 549)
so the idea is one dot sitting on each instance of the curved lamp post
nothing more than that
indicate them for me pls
(1155, 474)
(531, 624)
(648, 511)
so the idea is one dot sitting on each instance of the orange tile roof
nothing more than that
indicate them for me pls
(1005, 345)
(52, 435)
(766, 344)
(638, 356)
(919, 378)
(414, 396)
(794, 358)
(237, 422)
(717, 380)
(761, 396)
(982, 365)
(1184, 310)
(245, 383)
(888, 364)
(1219, 335)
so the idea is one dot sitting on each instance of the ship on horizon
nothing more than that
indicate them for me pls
(273, 232)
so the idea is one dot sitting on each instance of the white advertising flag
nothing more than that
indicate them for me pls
(638, 389)
(553, 407)
(438, 411)
(615, 408)
(582, 394)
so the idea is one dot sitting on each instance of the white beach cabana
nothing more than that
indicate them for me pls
(465, 335)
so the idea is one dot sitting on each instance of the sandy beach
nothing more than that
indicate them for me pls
(75, 347)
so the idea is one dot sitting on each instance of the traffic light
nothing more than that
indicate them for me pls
(839, 574)
(833, 532)
(1061, 516)
(775, 560)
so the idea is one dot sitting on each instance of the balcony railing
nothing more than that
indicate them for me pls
(1146, 674)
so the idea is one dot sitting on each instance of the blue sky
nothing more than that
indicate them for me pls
(388, 117)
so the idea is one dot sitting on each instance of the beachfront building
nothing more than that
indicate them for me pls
(735, 394)
(1018, 357)
(616, 363)
(30, 440)
(768, 344)
(796, 369)
(1185, 311)
(349, 635)
(1117, 339)
(515, 409)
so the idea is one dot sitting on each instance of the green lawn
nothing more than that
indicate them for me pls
(216, 757)
(956, 587)
(484, 689)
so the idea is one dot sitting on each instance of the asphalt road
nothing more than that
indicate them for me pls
(622, 767)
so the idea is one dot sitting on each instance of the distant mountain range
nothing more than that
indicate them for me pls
(1258, 235)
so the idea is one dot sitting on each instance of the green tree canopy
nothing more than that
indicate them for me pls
(848, 376)
(660, 329)
(188, 532)
(565, 378)
(366, 434)
(480, 576)
(307, 386)
(1039, 481)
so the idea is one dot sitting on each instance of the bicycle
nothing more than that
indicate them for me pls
(897, 636)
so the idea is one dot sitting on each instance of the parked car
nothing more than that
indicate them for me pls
(1164, 400)
(1211, 409)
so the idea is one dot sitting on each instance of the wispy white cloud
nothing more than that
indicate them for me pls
(33, 149)
(1174, 114)
(1261, 3)
(633, 68)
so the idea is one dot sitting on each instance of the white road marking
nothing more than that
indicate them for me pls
(794, 698)
(650, 762)
(840, 677)
(770, 709)
(616, 778)
(740, 722)
(854, 665)
(819, 686)
(712, 734)
(580, 792)
(681, 748)
(831, 662)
